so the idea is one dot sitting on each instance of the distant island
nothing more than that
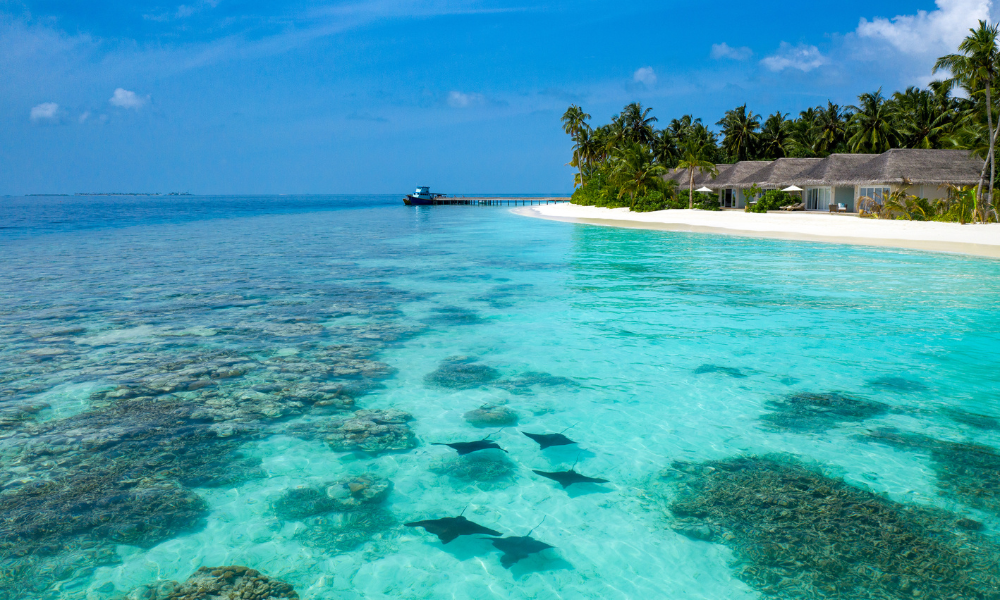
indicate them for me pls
(118, 194)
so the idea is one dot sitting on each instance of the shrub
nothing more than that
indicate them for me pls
(771, 200)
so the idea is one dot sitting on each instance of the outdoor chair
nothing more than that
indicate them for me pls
(841, 208)
(833, 208)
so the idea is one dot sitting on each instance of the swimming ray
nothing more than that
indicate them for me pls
(449, 528)
(464, 448)
(546, 440)
(516, 548)
(568, 478)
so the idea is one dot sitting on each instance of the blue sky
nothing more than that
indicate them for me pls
(247, 96)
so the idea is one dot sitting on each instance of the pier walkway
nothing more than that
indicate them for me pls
(476, 201)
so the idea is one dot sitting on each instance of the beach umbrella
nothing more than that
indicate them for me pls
(703, 190)
(792, 188)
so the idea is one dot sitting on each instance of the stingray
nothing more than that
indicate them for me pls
(568, 478)
(464, 448)
(450, 528)
(516, 548)
(546, 440)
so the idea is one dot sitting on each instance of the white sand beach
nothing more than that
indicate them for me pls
(978, 240)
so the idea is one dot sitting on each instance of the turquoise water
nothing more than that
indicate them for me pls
(168, 373)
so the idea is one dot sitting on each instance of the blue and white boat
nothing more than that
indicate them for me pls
(421, 197)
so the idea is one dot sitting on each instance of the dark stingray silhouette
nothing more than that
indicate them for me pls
(517, 548)
(568, 478)
(450, 528)
(546, 440)
(467, 447)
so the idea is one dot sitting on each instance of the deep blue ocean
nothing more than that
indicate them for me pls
(270, 381)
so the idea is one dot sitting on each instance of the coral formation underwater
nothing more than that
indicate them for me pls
(819, 412)
(372, 431)
(491, 415)
(461, 373)
(218, 583)
(345, 495)
(966, 472)
(797, 533)
(722, 370)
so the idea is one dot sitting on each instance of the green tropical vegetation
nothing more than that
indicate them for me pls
(620, 164)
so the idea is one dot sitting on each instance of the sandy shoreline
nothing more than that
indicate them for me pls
(977, 240)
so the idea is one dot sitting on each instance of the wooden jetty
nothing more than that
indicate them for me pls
(498, 201)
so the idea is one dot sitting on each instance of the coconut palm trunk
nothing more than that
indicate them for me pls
(691, 188)
(993, 163)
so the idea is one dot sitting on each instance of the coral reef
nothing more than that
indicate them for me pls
(218, 583)
(461, 373)
(452, 315)
(969, 473)
(367, 431)
(491, 415)
(819, 412)
(344, 495)
(983, 422)
(797, 533)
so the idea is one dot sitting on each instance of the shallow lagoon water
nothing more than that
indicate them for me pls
(266, 323)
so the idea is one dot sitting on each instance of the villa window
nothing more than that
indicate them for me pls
(817, 198)
(878, 194)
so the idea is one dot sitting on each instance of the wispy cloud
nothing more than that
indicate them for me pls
(645, 75)
(724, 50)
(123, 98)
(803, 57)
(458, 99)
(46, 112)
(928, 32)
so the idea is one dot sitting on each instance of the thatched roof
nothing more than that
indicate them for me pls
(898, 166)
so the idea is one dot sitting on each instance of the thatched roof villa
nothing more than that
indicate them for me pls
(843, 178)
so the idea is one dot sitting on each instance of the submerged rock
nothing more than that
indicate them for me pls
(900, 384)
(345, 531)
(797, 533)
(983, 422)
(372, 431)
(218, 583)
(462, 373)
(818, 412)
(344, 495)
(491, 415)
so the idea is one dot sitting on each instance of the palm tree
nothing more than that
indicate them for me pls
(803, 133)
(692, 159)
(921, 121)
(636, 124)
(634, 170)
(975, 69)
(872, 122)
(775, 138)
(574, 120)
(739, 130)
(831, 128)
(665, 148)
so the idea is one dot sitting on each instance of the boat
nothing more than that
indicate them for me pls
(421, 197)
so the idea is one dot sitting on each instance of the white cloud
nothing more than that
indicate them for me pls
(46, 112)
(935, 32)
(83, 117)
(645, 75)
(802, 57)
(463, 100)
(724, 50)
(126, 99)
